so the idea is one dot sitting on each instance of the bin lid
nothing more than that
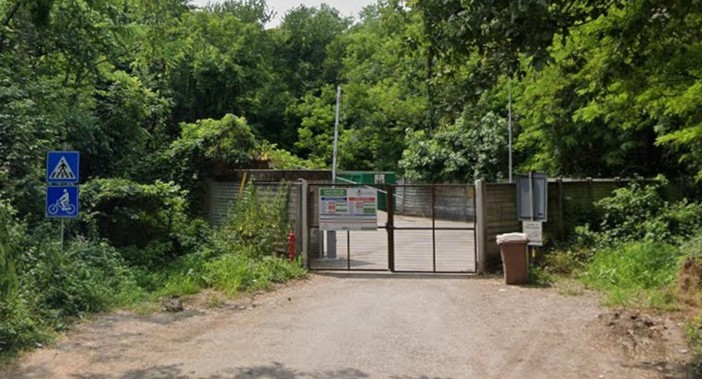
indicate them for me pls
(512, 237)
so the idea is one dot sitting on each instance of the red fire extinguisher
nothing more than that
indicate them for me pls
(291, 246)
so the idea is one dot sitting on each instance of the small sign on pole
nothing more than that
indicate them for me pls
(62, 167)
(62, 177)
(62, 202)
(534, 231)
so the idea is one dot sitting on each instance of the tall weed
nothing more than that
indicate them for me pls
(87, 277)
(232, 273)
(255, 225)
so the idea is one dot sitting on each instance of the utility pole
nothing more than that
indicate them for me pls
(331, 235)
(509, 125)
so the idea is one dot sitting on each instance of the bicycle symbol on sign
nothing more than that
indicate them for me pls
(62, 204)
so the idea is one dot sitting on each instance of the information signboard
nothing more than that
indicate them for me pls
(534, 231)
(348, 209)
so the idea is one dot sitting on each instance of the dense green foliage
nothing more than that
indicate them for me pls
(641, 251)
(160, 97)
(640, 213)
(147, 222)
(148, 90)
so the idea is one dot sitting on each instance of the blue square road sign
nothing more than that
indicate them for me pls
(62, 167)
(61, 202)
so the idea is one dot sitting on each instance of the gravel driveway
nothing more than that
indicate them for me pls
(372, 326)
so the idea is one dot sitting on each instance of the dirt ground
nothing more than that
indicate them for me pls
(372, 326)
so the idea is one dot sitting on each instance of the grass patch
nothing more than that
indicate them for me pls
(568, 286)
(634, 274)
(232, 274)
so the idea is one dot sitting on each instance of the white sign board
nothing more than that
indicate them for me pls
(348, 209)
(534, 231)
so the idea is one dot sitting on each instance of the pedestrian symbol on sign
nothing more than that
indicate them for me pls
(62, 171)
(62, 167)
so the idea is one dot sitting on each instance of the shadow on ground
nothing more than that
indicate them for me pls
(275, 370)
(404, 275)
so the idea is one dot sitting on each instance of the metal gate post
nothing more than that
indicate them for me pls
(480, 225)
(433, 228)
(390, 227)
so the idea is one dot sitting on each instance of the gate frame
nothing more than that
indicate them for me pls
(391, 228)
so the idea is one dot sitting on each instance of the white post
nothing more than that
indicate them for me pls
(331, 235)
(304, 189)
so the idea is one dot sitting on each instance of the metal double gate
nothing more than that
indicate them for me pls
(421, 228)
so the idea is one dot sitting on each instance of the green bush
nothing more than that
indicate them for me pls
(19, 326)
(240, 255)
(87, 277)
(44, 285)
(181, 277)
(639, 213)
(629, 213)
(684, 220)
(147, 222)
(10, 231)
(205, 147)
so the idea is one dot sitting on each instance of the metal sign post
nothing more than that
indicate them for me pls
(509, 126)
(62, 177)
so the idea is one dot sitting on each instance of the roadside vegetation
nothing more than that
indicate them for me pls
(641, 252)
(132, 258)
